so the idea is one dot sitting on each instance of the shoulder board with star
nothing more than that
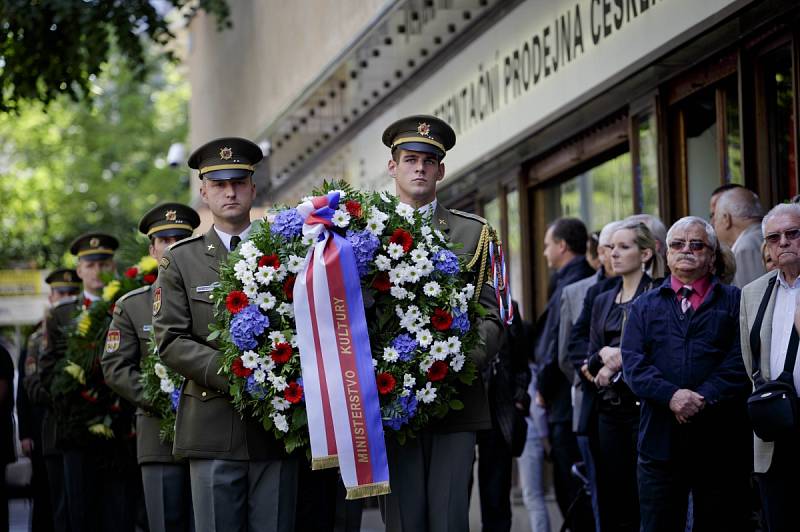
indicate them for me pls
(470, 216)
(185, 241)
(135, 291)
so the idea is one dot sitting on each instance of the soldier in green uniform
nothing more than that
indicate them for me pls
(165, 478)
(241, 478)
(65, 286)
(430, 475)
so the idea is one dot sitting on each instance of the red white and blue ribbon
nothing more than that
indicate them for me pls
(500, 282)
(344, 416)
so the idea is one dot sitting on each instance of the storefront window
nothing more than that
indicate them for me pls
(513, 245)
(733, 137)
(647, 170)
(596, 196)
(491, 211)
(779, 95)
(702, 157)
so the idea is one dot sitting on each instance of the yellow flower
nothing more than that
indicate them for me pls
(76, 372)
(99, 429)
(147, 264)
(84, 322)
(110, 290)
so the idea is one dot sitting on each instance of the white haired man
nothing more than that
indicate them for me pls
(737, 221)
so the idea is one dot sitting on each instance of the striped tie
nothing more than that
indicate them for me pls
(685, 292)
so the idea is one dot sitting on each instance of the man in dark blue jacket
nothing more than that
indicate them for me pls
(564, 249)
(681, 356)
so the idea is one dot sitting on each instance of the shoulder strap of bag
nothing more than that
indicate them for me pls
(791, 356)
(755, 332)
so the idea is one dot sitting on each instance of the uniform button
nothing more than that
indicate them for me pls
(203, 394)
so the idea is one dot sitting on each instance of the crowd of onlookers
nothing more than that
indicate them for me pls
(641, 370)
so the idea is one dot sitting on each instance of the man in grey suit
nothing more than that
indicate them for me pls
(737, 221)
(241, 478)
(776, 464)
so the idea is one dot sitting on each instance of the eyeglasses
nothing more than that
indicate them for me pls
(694, 245)
(790, 234)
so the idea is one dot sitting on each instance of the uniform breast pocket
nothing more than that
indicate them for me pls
(202, 308)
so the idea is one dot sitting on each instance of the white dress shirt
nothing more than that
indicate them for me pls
(782, 323)
(226, 238)
(426, 211)
(90, 297)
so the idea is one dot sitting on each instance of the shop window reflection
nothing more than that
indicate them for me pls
(733, 136)
(513, 245)
(647, 169)
(779, 99)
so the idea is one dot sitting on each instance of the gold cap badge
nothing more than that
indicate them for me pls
(94, 243)
(171, 216)
(424, 129)
(225, 153)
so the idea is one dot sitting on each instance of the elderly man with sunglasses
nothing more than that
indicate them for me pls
(681, 357)
(772, 301)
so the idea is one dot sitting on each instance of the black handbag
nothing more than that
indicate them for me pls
(772, 407)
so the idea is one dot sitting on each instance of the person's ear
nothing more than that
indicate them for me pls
(392, 168)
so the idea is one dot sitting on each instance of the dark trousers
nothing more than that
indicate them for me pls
(780, 487)
(575, 508)
(715, 477)
(617, 490)
(321, 503)
(494, 481)
(54, 463)
(42, 519)
(168, 497)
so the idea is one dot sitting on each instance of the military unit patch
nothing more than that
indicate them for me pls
(157, 301)
(112, 340)
(164, 263)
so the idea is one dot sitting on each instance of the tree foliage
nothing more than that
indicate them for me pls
(53, 47)
(72, 167)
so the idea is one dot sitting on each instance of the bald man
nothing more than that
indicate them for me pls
(737, 221)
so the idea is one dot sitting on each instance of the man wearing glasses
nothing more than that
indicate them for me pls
(776, 464)
(681, 356)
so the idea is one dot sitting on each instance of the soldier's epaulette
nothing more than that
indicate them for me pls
(470, 216)
(65, 301)
(133, 292)
(180, 243)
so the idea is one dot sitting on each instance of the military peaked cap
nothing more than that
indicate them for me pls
(169, 219)
(423, 133)
(226, 158)
(94, 246)
(63, 279)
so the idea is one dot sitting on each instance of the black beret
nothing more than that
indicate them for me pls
(423, 133)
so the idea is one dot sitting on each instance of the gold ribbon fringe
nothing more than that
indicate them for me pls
(368, 490)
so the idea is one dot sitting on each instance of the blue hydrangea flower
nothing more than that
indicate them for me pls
(246, 326)
(175, 398)
(404, 344)
(364, 246)
(460, 321)
(288, 224)
(399, 412)
(255, 389)
(446, 261)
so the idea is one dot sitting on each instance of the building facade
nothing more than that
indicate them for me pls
(591, 108)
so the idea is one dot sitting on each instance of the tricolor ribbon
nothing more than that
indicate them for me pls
(500, 282)
(344, 416)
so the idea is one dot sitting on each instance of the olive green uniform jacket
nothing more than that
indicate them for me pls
(464, 228)
(133, 314)
(207, 425)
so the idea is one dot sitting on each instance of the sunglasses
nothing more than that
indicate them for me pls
(694, 245)
(774, 238)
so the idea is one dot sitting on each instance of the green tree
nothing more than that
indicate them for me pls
(54, 47)
(71, 167)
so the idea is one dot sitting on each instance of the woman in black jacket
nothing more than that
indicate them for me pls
(633, 251)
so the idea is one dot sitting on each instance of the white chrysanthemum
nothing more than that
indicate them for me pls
(454, 345)
(277, 337)
(383, 263)
(267, 365)
(265, 275)
(439, 350)
(468, 291)
(394, 250)
(432, 289)
(250, 359)
(277, 381)
(295, 264)
(418, 254)
(409, 381)
(457, 362)
(398, 292)
(285, 309)
(412, 275)
(293, 341)
(427, 394)
(251, 290)
(425, 230)
(426, 363)
(385, 197)
(167, 386)
(399, 311)
(259, 376)
(281, 273)
(160, 370)
(375, 227)
(390, 354)
(341, 218)
(413, 312)
(309, 239)
(405, 211)
(424, 338)
(397, 276)
(249, 250)
(439, 235)
(240, 268)
(265, 301)
(280, 422)
(424, 267)
(246, 277)
(280, 404)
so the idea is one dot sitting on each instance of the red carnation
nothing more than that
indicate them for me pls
(236, 301)
(441, 319)
(381, 282)
(150, 278)
(111, 309)
(288, 287)
(282, 353)
(131, 272)
(353, 208)
(293, 392)
(437, 371)
(269, 260)
(402, 237)
(239, 370)
(115, 407)
(89, 396)
(385, 382)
